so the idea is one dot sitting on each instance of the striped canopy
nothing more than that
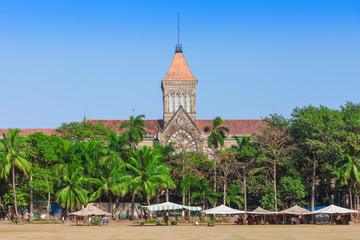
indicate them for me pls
(169, 206)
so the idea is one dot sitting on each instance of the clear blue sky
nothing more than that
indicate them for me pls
(251, 58)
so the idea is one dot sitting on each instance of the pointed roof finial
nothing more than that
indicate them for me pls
(178, 47)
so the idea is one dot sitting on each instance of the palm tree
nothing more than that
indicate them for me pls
(135, 132)
(205, 193)
(247, 152)
(348, 172)
(13, 157)
(112, 180)
(72, 193)
(216, 140)
(148, 172)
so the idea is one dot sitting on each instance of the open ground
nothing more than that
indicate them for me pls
(59, 231)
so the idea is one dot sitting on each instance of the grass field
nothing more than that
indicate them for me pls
(59, 231)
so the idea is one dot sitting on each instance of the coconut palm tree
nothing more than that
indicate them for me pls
(216, 140)
(113, 180)
(135, 132)
(148, 172)
(349, 172)
(72, 193)
(13, 157)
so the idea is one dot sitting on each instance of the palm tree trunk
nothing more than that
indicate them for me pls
(31, 199)
(313, 185)
(67, 211)
(189, 205)
(48, 205)
(117, 208)
(133, 207)
(350, 196)
(224, 198)
(214, 172)
(167, 199)
(14, 189)
(275, 193)
(148, 202)
(111, 205)
(245, 196)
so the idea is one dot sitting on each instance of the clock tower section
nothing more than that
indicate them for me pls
(179, 88)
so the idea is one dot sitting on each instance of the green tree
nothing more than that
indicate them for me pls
(13, 157)
(135, 130)
(317, 133)
(44, 152)
(215, 140)
(348, 172)
(276, 143)
(205, 193)
(72, 193)
(148, 173)
(113, 180)
(84, 131)
(247, 154)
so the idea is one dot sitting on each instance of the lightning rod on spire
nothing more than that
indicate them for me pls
(178, 47)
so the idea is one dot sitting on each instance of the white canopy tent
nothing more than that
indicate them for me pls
(333, 209)
(295, 210)
(169, 206)
(261, 211)
(222, 210)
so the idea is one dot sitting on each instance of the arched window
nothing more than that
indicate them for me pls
(176, 101)
(183, 100)
(171, 102)
(188, 103)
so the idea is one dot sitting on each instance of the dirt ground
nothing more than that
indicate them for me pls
(59, 231)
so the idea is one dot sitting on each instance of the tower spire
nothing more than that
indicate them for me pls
(178, 47)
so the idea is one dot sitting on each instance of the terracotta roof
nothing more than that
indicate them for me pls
(179, 70)
(152, 126)
(236, 126)
(25, 132)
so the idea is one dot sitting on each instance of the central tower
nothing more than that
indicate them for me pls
(179, 88)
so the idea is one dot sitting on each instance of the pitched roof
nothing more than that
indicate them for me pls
(152, 126)
(179, 70)
(235, 126)
(25, 132)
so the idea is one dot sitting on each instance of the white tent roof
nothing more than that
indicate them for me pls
(261, 211)
(295, 210)
(333, 209)
(169, 206)
(222, 209)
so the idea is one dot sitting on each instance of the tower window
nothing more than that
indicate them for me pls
(183, 100)
(176, 101)
(171, 102)
(188, 103)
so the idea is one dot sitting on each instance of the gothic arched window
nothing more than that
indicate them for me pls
(176, 101)
(171, 102)
(182, 141)
(188, 102)
(183, 100)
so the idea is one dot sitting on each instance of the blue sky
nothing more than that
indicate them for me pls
(251, 57)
